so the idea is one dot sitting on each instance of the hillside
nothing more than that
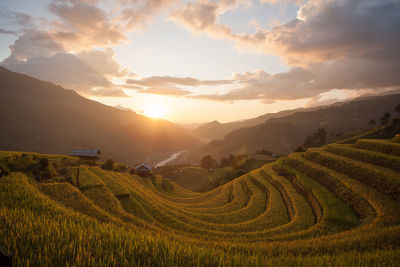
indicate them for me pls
(282, 135)
(336, 205)
(42, 117)
(215, 130)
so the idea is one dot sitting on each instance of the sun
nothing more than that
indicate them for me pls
(155, 111)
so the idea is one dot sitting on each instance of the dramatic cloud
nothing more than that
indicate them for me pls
(296, 83)
(168, 91)
(330, 29)
(332, 44)
(167, 85)
(84, 25)
(78, 72)
(138, 13)
(168, 80)
(7, 32)
(304, 82)
(323, 30)
(342, 44)
(62, 51)
(33, 44)
(203, 16)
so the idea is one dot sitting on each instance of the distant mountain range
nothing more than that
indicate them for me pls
(215, 130)
(283, 131)
(42, 117)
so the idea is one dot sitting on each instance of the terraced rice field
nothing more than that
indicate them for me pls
(338, 205)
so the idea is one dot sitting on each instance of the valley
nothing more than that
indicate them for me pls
(335, 204)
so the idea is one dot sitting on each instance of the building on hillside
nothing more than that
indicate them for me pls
(88, 155)
(143, 169)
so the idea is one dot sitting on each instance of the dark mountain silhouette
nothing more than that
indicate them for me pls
(282, 135)
(215, 130)
(42, 117)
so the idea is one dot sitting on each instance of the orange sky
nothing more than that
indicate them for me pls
(198, 61)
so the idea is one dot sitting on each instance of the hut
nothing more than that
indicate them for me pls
(88, 155)
(143, 169)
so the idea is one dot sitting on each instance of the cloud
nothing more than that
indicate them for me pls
(33, 44)
(64, 49)
(75, 71)
(168, 80)
(16, 19)
(203, 16)
(323, 30)
(168, 85)
(138, 13)
(311, 81)
(342, 44)
(120, 107)
(259, 85)
(326, 30)
(296, 2)
(168, 91)
(103, 62)
(2, 31)
(84, 25)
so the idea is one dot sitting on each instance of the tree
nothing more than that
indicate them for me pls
(227, 161)
(385, 118)
(44, 163)
(316, 139)
(108, 165)
(299, 149)
(263, 151)
(372, 122)
(321, 137)
(397, 109)
(239, 173)
(207, 162)
(308, 141)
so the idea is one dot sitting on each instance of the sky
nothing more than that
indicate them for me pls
(198, 61)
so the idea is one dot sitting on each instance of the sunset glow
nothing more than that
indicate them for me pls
(229, 60)
(155, 111)
(200, 133)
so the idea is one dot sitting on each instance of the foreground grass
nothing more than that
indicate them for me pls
(301, 211)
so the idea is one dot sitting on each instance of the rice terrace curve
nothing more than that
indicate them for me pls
(334, 205)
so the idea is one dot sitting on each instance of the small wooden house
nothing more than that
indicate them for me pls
(143, 169)
(88, 155)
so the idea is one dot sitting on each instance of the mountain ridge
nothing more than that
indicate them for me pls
(282, 134)
(42, 117)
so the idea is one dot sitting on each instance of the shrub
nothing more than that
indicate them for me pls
(108, 165)
(44, 164)
(239, 173)
(315, 140)
(120, 167)
(299, 149)
(208, 162)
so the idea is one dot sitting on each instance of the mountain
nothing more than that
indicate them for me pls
(215, 130)
(42, 117)
(283, 134)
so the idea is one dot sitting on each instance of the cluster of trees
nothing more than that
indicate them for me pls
(39, 167)
(385, 119)
(317, 139)
(111, 165)
(208, 162)
(169, 171)
(263, 151)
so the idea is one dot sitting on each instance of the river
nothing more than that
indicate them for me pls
(165, 161)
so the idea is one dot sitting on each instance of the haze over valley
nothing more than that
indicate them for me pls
(199, 133)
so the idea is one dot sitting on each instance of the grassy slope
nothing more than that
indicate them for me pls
(307, 209)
